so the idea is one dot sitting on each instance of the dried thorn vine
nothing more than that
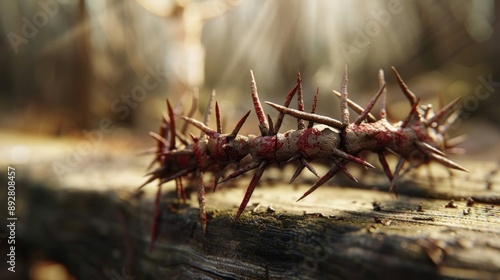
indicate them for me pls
(419, 139)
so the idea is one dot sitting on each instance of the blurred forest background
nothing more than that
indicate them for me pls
(72, 65)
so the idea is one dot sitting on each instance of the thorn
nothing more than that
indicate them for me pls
(296, 173)
(413, 110)
(443, 112)
(399, 166)
(263, 124)
(151, 179)
(251, 188)
(446, 162)
(178, 174)
(320, 182)
(381, 81)
(352, 158)
(385, 166)
(240, 124)
(216, 180)
(171, 145)
(300, 102)
(208, 112)
(187, 152)
(217, 117)
(344, 111)
(309, 167)
(303, 163)
(307, 116)
(281, 115)
(429, 149)
(369, 107)
(205, 129)
(358, 109)
(271, 126)
(241, 171)
(346, 172)
(159, 139)
(406, 91)
(313, 109)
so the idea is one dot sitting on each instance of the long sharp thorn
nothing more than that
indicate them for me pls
(205, 129)
(201, 201)
(300, 102)
(413, 110)
(429, 149)
(156, 219)
(217, 117)
(261, 116)
(281, 115)
(352, 158)
(192, 110)
(309, 167)
(358, 109)
(159, 138)
(321, 181)
(216, 180)
(313, 109)
(240, 124)
(250, 189)
(406, 91)
(177, 175)
(303, 163)
(240, 171)
(187, 152)
(344, 110)
(369, 107)
(308, 116)
(297, 173)
(383, 108)
(208, 112)
(399, 166)
(271, 126)
(444, 111)
(385, 166)
(171, 145)
(347, 173)
(151, 179)
(446, 162)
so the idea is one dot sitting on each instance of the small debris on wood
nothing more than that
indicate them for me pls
(467, 211)
(420, 208)
(376, 205)
(424, 218)
(270, 209)
(470, 201)
(451, 204)
(385, 222)
(256, 208)
(315, 214)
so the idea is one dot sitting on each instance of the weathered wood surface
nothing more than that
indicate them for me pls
(91, 220)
